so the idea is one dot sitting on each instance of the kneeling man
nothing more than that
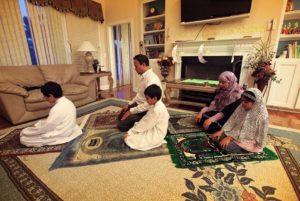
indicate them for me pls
(151, 130)
(59, 127)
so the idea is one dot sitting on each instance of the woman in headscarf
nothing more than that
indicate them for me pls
(246, 130)
(212, 118)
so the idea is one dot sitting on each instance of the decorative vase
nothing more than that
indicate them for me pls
(165, 71)
(261, 84)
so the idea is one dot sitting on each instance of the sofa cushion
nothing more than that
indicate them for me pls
(34, 96)
(77, 97)
(60, 73)
(28, 76)
(13, 89)
(74, 89)
(31, 107)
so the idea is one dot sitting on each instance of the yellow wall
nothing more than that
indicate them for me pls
(124, 11)
(118, 11)
(261, 12)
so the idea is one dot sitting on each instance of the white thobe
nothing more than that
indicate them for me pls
(151, 130)
(147, 78)
(59, 127)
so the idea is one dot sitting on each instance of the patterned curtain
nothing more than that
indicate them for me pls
(81, 8)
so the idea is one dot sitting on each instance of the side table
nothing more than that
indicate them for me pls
(189, 87)
(98, 76)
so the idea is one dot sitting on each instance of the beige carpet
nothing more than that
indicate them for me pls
(156, 178)
(145, 179)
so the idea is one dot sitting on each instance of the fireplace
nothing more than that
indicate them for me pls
(191, 68)
(215, 65)
(222, 55)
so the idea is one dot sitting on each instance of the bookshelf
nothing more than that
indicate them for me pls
(289, 38)
(287, 66)
(153, 28)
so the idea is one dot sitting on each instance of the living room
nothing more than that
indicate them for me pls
(116, 31)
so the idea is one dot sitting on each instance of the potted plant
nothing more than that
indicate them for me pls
(260, 62)
(165, 63)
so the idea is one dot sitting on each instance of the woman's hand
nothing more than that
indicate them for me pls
(198, 117)
(207, 123)
(225, 142)
(216, 135)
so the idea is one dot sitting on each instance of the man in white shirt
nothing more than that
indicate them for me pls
(59, 127)
(151, 130)
(138, 106)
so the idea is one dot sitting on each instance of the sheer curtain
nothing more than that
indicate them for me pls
(123, 53)
(13, 44)
(47, 29)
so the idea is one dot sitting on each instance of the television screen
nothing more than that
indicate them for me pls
(198, 10)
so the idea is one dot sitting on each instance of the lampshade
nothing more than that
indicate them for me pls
(86, 46)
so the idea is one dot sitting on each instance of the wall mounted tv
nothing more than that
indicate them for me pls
(209, 11)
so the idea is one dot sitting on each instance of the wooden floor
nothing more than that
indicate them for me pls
(279, 118)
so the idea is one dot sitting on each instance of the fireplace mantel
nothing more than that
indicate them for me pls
(223, 47)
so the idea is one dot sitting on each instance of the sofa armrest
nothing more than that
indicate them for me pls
(13, 89)
(84, 80)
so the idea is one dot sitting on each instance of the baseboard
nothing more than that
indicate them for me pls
(283, 109)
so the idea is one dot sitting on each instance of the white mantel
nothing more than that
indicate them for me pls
(226, 47)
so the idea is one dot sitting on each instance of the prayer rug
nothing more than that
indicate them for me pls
(28, 184)
(10, 145)
(183, 123)
(102, 120)
(101, 146)
(194, 149)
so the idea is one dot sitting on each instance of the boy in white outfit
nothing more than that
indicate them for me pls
(59, 127)
(151, 130)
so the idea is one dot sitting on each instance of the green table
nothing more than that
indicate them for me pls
(200, 81)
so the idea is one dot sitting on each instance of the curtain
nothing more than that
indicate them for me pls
(13, 44)
(123, 53)
(47, 34)
(126, 53)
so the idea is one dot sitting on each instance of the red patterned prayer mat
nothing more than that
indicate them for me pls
(102, 120)
(291, 167)
(27, 183)
(10, 145)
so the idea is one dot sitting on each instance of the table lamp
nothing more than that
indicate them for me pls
(87, 47)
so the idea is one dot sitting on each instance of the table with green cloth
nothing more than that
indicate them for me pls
(200, 81)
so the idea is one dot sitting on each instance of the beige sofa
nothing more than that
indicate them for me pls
(21, 99)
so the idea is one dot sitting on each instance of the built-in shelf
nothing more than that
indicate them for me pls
(285, 37)
(154, 31)
(156, 17)
(154, 45)
(295, 14)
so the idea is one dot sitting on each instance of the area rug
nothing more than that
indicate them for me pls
(153, 178)
(195, 149)
(28, 184)
(10, 145)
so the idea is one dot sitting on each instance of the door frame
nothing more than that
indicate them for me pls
(112, 62)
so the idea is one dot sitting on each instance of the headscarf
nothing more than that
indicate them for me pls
(226, 96)
(249, 125)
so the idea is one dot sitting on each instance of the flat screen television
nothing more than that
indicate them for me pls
(209, 11)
